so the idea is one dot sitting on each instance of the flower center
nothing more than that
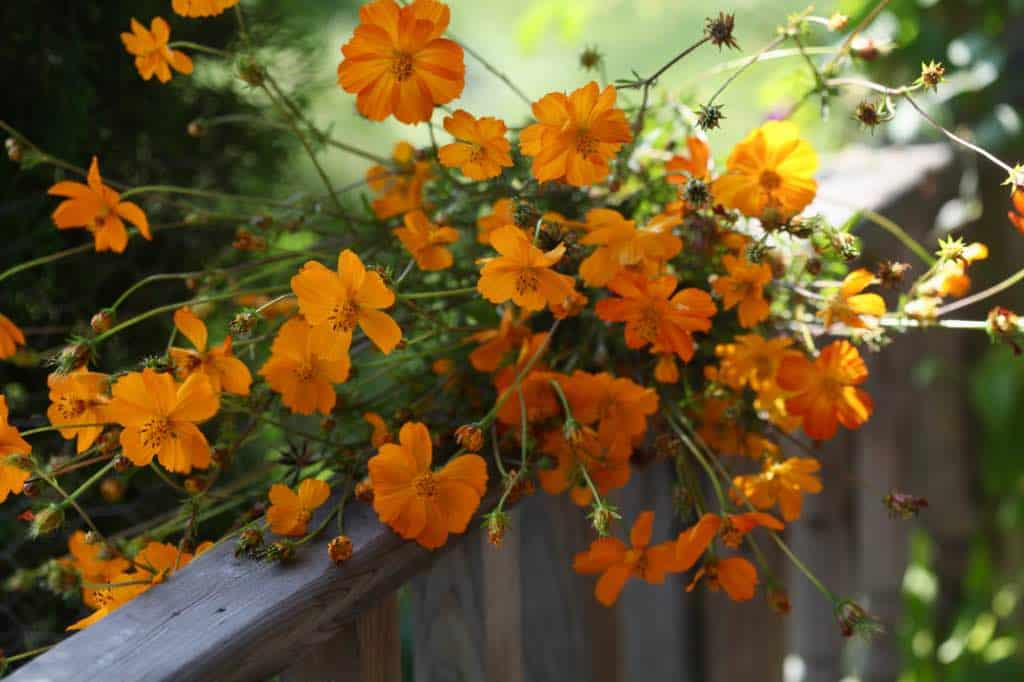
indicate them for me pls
(304, 371)
(636, 558)
(770, 180)
(711, 577)
(71, 406)
(527, 281)
(154, 432)
(586, 144)
(647, 326)
(343, 318)
(731, 535)
(763, 368)
(478, 154)
(401, 66)
(425, 485)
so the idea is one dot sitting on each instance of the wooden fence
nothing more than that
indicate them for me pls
(519, 613)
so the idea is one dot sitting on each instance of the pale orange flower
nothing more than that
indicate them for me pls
(481, 150)
(743, 286)
(693, 542)
(98, 208)
(783, 483)
(417, 502)
(502, 214)
(160, 418)
(10, 337)
(496, 343)
(825, 391)
(202, 8)
(398, 63)
(576, 135)
(400, 188)
(617, 562)
(89, 561)
(751, 361)
(304, 377)
(78, 405)
(218, 364)
(655, 315)
(12, 476)
(617, 404)
(621, 245)
(849, 304)
(697, 164)
(334, 303)
(426, 241)
(522, 273)
(152, 55)
(604, 457)
(736, 575)
(290, 510)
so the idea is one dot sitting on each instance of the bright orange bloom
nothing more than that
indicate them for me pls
(744, 286)
(202, 8)
(304, 378)
(576, 135)
(751, 361)
(495, 344)
(160, 418)
(419, 503)
(693, 542)
(617, 404)
(621, 245)
(950, 277)
(426, 241)
(653, 315)
(98, 208)
(718, 426)
(736, 575)
(290, 510)
(696, 165)
(12, 476)
(152, 55)
(89, 562)
(780, 482)
(666, 371)
(603, 456)
(335, 302)
(617, 562)
(219, 365)
(381, 433)
(1017, 216)
(481, 150)
(10, 338)
(849, 304)
(77, 399)
(501, 215)
(826, 389)
(773, 167)
(538, 394)
(523, 273)
(400, 188)
(570, 307)
(398, 63)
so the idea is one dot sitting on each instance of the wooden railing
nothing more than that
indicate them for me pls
(519, 612)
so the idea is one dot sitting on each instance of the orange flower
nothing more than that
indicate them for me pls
(950, 278)
(481, 151)
(617, 563)
(501, 215)
(290, 511)
(718, 426)
(849, 304)
(522, 273)
(400, 188)
(202, 8)
(219, 365)
(693, 542)
(89, 562)
(666, 371)
(152, 55)
(304, 378)
(159, 417)
(10, 338)
(826, 389)
(12, 476)
(398, 63)
(495, 344)
(426, 241)
(570, 307)
(751, 361)
(744, 286)
(604, 457)
(538, 394)
(381, 434)
(335, 302)
(1017, 216)
(98, 209)
(653, 315)
(780, 482)
(419, 503)
(576, 135)
(78, 399)
(617, 404)
(621, 245)
(736, 575)
(697, 165)
(773, 167)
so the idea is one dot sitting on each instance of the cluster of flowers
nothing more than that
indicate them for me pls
(680, 280)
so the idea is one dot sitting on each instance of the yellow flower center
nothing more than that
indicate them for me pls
(586, 144)
(304, 371)
(527, 280)
(770, 180)
(154, 432)
(343, 318)
(425, 485)
(401, 66)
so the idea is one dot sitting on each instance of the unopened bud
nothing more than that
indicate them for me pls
(696, 193)
(122, 464)
(846, 244)
(709, 117)
(102, 321)
(30, 488)
(854, 620)
(590, 58)
(47, 520)
(196, 128)
(497, 522)
(252, 73)
(932, 75)
(194, 485)
(14, 151)
(281, 551)
(339, 549)
(112, 489)
(719, 31)
(838, 22)
(904, 505)
(470, 437)
(364, 491)
(249, 540)
(243, 324)
(779, 600)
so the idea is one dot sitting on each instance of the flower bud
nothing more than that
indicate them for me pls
(251, 72)
(364, 491)
(709, 117)
(470, 437)
(30, 488)
(47, 520)
(854, 620)
(14, 151)
(122, 464)
(838, 22)
(779, 600)
(102, 321)
(339, 549)
(497, 522)
(932, 75)
(243, 324)
(590, 58)
(904, 505)
(194, 485)
(196, 128)
(696, 193)
(112, 489)
(281, 551)
(249, 540)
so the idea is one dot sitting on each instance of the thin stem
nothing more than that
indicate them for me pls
(26, 654)
(438, 294)
(648, 83)
(982, 295)
(200, 48)
(844, 49)
(753, 60)
(43, 260)
(889, 226)
(494, 70)
(207, 194)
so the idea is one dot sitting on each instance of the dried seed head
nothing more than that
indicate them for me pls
(904, 505)
(243, 324)
(696, 193)
(497, 522)
(525, 214)
(719, 31)
(779, 600)
(932, 75)
(838, 22)
(591, 58)
(870, 115)
(891, 273)
(709, 117)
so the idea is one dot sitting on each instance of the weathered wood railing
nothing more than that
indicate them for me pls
(519, 613)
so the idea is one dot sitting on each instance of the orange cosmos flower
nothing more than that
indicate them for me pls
(666, 371)
(78, 400)
(751, 361)
(826, 389)
(202, 8)
(401, 187)
(773, 167)
(159, 417)
(219, 365)
(481, 151)
(736, 575)
(693, 542)
(621, 245)
(501, 215)
(783, 483)
(496, 343)
(849, 304)
(576, 135)
(950, 276)
(718, 426)
(1017, 216)
(303, 376)
(538, 394)
(290, 510)
(152, 55)
(12, 476)
(744, 286)
(426, 241)
(697, 164)
(89, 562)
(522, 273)
(381, 433)
(418, 503)
(10, 337)
(98, 209)
(604, 457)
(398, 63)
(654, 315)
(617, 562)
(617, 404)
(335, 302)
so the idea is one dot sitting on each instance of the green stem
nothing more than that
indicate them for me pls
(438, 294)
(43, 260)
(91, 481)
(982, 295)
(206, 194)
(26, 654)
(200, 48)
